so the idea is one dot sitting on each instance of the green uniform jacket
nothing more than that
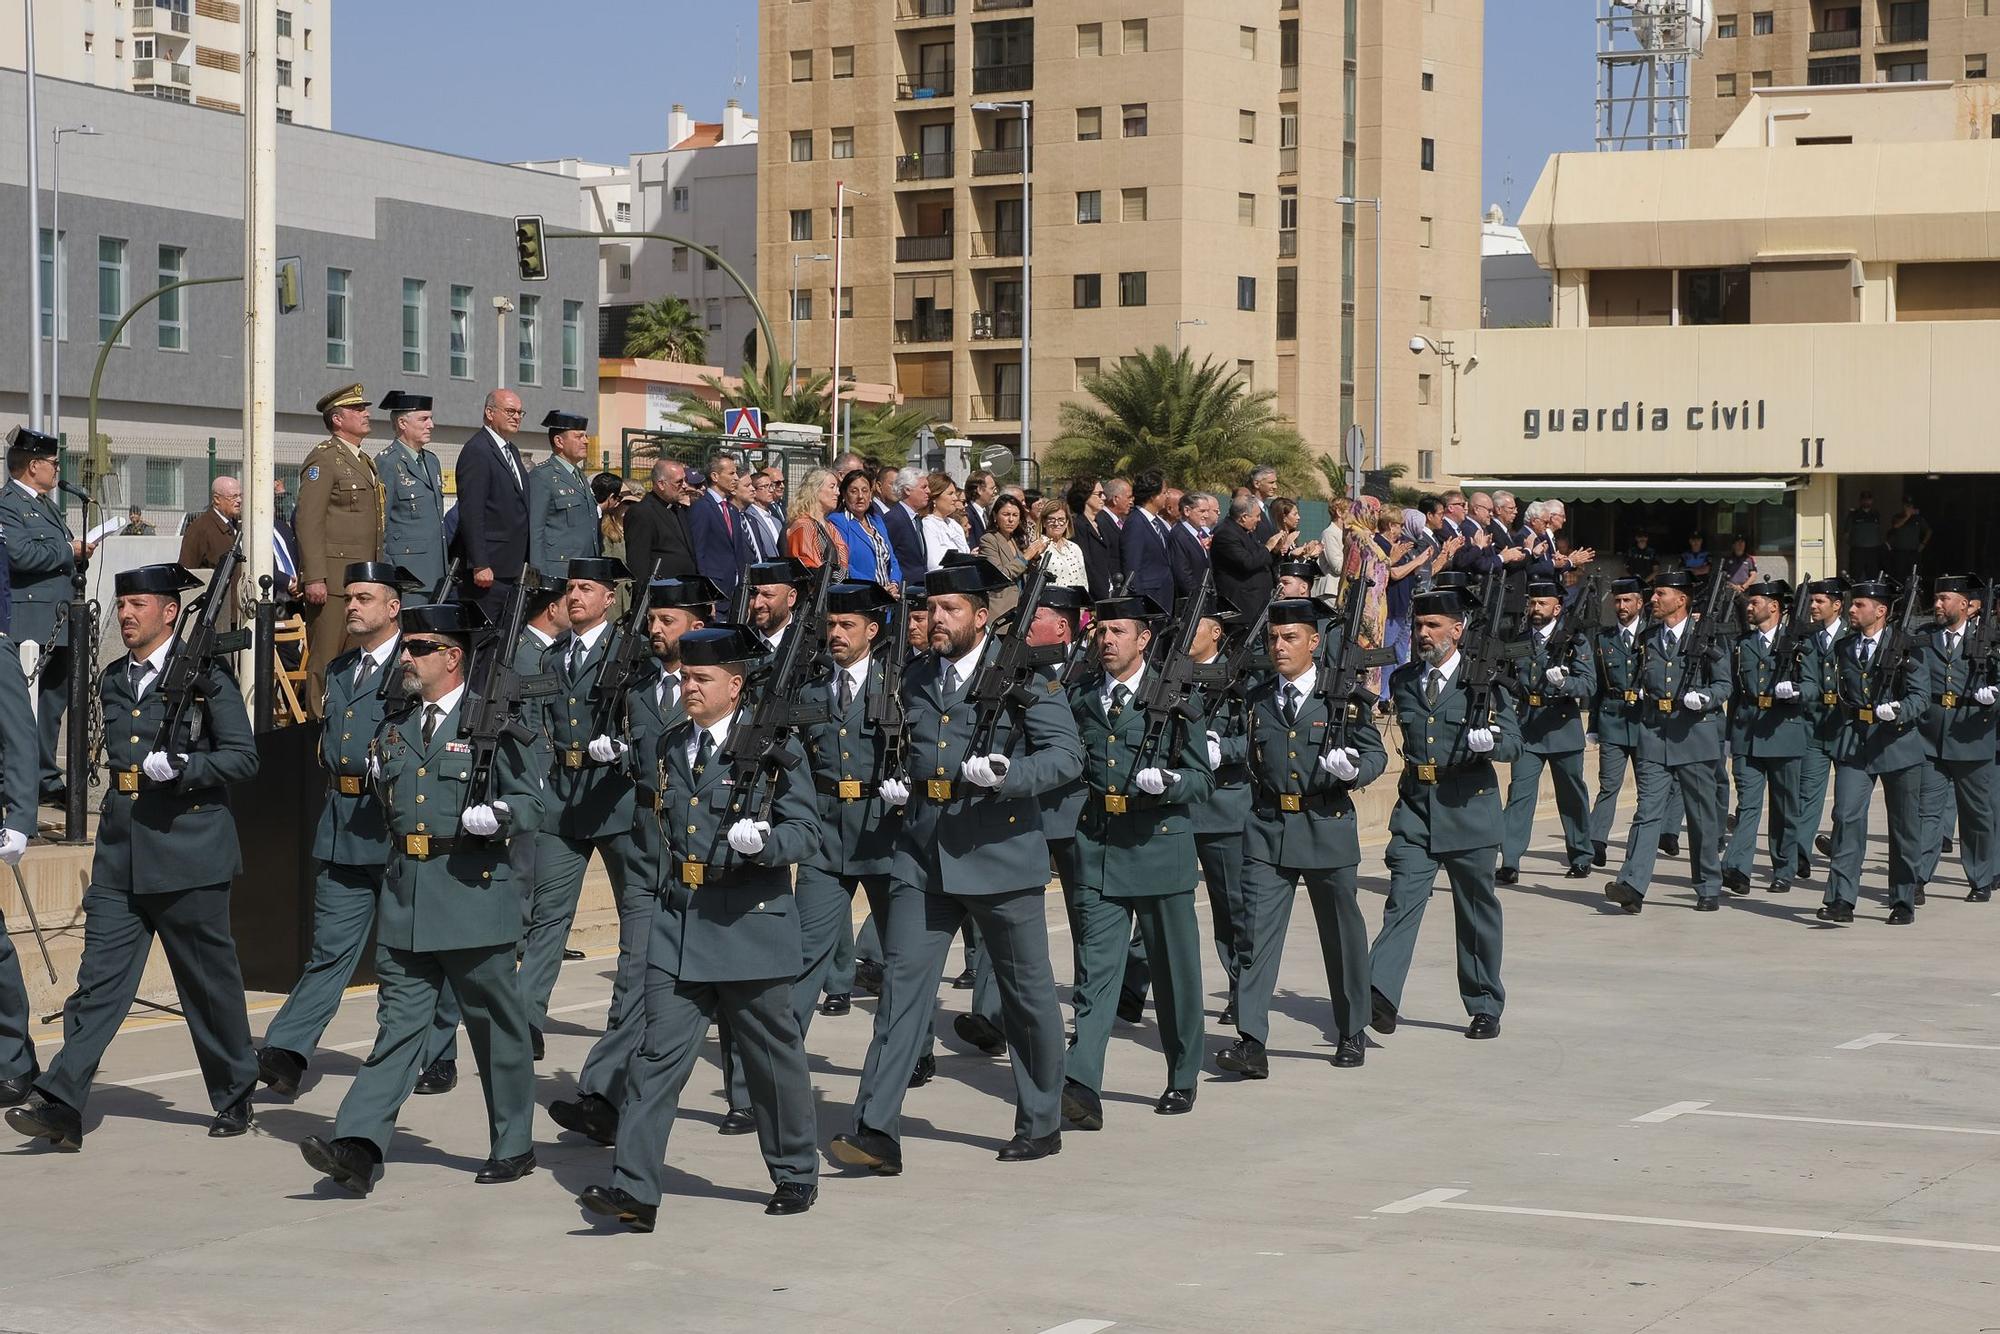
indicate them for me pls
(589, 799)
(741, 923)
(1284, 760)
(351, 829)
(1827, 720)
(413, 511)
(858, 835)
(1760, 724)
(562, 516)
(1618, 716)
(528, 650)
(465, 896)
(1146, 850)
(1552, 716)
(1461, 810)
(18, 766)
(166, 837)
(1227, 810)
(980, 841)
(1676, 734)
(42, 561)
(1879, 747)
(1965, 728)
(1063, 806)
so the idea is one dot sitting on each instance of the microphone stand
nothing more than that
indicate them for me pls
(81, 668)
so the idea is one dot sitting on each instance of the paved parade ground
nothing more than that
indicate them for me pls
(1734, 1121)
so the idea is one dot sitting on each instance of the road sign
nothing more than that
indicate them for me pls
(743, 423)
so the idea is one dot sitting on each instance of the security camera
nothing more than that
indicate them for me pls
(1417, 345)
(502, 304)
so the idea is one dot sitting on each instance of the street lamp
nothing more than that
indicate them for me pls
(816, 259)
(1188, 324)
(1027, 275)
(1348, 201)
(841, 190)
(57, 304)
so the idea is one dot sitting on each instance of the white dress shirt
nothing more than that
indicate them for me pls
(157, 660)
(718, 734)
(1131, 683)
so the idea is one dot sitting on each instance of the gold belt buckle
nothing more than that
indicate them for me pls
(1950, 700)
(850, 789)
(1865, 715)
(938, 789)
(1535, 700)
(1631, 697)
(128, 780)
(417, 845)
(350, 785)
(573, 757)
(1829, 698)
(1114, 802)
(1765, 701)
(1291, 801)
(692, 874)
(1427, 773)
(1664, 705)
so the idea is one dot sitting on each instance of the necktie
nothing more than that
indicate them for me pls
(1433, 686)
(572, 659)
(1291, 707)
(669, 692)
(140, 671)
(704, 749)
(1951, 644)
(1867, 651)
(432, 713)
(728, 517)
(507, 454)
(1626, 636)
(843, 691)
(950, 679)
(1120, 697)
(364, 671)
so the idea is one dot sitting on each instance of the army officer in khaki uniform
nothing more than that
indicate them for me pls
(339, 521)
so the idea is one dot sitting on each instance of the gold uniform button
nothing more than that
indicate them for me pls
(940, 769)
(1293, 754)
(486, 875)
(135, 741)
(843, 731)
(347, 736)
(1293, 735)
(694, 801)
(844, 755)
(420, 798)
(135, 713)
(691, 829)
(420, 771)
(350, 713)
(420, 826)
(944, 718)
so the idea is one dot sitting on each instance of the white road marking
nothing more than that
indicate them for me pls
(1898, 1040)
(1677, 1109)
(1447, 1199)
(1080, 1327)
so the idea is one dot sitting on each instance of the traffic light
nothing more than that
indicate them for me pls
(528, 248)
(288, 285)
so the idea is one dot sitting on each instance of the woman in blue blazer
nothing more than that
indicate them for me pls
(869, 555)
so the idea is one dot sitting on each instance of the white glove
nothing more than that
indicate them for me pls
(1888, 713)
(1986, 694)
(1215, 747)
(1784, 690)
(1695, 700)
(895, 792)
(374, 765)
(747, 836)
(1154, 781)
(479, 820)
(159, 766)
(1344, 764)
(604, 749)
(1479, 739)
(1555, 676)
(12, 844)
(986, 770)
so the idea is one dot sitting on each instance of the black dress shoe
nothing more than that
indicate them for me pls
(1981, 895)
(1353, 1051)
(1736, 882)
(1228, 1016)
(1578, 872)
(792, 1197)
(55, 796)
(925, 1072)
(1506, 875)
(1708, 903)
(1824, 844)
(1902, 915)
(1624, 896)
(1670, 844)
(613, 1202)
(1081, 1107)
(495, 1171)
(1920, 896)
(868, 976)
(739, 1121)
(1778, 887)
(232, 1120)
(15, 1091)
(347, 1162)
(981, 1032)
(1836, 911)
(1382, 1015)
(1805, 867)
(964, 981)
(870, 1149)
(42, 1117)
(535, 1044)
(1175, 1102)
(281, 1069)
(1245, 1057)
(1599, 853)
(1024, 1149)
(839, 1003)
(1945, 846)
(570, 955)
(1483, 1026)
(440, 1076)
(1132, 1009)
(590, 1115)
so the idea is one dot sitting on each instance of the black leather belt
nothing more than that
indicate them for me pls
(1271, 803)
(846, 789)
(425, 846)
(703, 875)
(349, 785)
(578, 757)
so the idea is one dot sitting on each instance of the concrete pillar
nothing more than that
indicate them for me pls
(1817, 534)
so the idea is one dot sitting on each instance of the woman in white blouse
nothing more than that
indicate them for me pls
(1054, 522)
(944, 529)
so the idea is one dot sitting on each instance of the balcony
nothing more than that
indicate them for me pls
(1001, 4)
(990, 324)
(997, 245)
(922, 87)
(1288, 78)
(159, 71)
(915, 249)
(997, 408)
(926, 9)
(997, 162)
(937, 409)
(1836, 39)
(157, 18)
(931, 328)
(924, 167)
(1909, 28)
(1828, 73)
(1002, 78)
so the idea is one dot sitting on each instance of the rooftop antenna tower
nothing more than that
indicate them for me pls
(736, 80)
(1643, 50)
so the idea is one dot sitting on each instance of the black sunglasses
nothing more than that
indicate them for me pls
(423, 648)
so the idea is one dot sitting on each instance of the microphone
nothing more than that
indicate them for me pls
(73, 489)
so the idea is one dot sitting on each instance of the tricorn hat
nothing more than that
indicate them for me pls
(169, 580)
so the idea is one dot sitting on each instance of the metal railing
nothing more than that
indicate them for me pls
(997, 245)
(937, 408)
(997, 162)
(1288, 243)
(932, 328)
(924, 166)
(996, 324)
(926, 9)
(1825, 73)
(1835, 39)
(913, 248)
(1001, 4)
(918, 87)
(1002, 78)
(1911, 28)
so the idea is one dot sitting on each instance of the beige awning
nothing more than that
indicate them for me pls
(1693, 491)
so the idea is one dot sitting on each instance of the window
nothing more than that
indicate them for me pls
(1427, 155)
(1423, 389)
(1760, 78)
(1288, 136)
(1134, 36)
(528, 347)
(847, 222)
(1913, 69)
(1288, 303)
(708, 264)
(1086, 369)
(1427, 464)
(1246, 43)
(1135, 120)
(284, 23)
(110, 287)
(309, 82)
(572, 344)
(284, 73)
(683, 195)
(284, 115)
(802, 66)
(461, 332)
(712, 314)
(842, 144)
(1725, 25)
(1975, 65)
(1725, 85)
(802, 224)
(309, 39)
(1763, 25)
(1132, 289)
(1246, 294)
(1246, 127)
(55, 285)
(847, 303)
(1429, 82)
(163, 483)
(802, 146)
(172, 309)
(1424, 232)
(413, 326)
(1132, 205)
(1246, 210)
(1424, 309)
(1090, 39)
(802, 304)
(1087, 291)
(1246, 371)
(843, 62)
(1089, 123)
(1979, 9)
(1089, 206)
(680, 259)
(624, 211)
(339, 351)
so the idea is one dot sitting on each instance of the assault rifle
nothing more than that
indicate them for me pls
(1342, 679)
(494, 713)
(1167, 690)
(1082, 653)
(1231, 672)
(756, 749)
(1788, 650)
(443, 585)
(1584, 611)
(621, 661)
(885, 701)
(1985, 646)
(1702, 641)
(1488, 654)
(1892, 660)
(180, 681)
(1007, 677)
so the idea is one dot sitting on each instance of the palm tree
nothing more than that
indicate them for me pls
(1198, 425)
(770, 394)
(666, 330)
(1333, 470)
(885, 434)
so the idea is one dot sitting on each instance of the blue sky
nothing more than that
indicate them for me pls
(594, 78)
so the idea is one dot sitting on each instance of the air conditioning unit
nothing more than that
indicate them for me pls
(982, 324)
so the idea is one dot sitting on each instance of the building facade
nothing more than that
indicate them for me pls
(177, 50)
(401, 252)
(1185, 174)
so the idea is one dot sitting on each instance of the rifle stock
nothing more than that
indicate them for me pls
(1342, 680)
(755, 751)
(192, 650)
(1004, 678)
(496, 710)
(885, 701)
(1166, 692)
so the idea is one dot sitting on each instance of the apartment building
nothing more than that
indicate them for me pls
(1183, 183)
(1829, 43)
(177, 50)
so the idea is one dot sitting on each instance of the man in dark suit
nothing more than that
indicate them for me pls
(980, 492)
(716, 528)
(1143, 543)
(1242, 563)
(656, 529)
(492, 508)
(903, 522)
(1263, 483)
(1187, 542)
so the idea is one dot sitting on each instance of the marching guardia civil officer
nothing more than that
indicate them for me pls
(1556, 683)
(166, 854)
(725, 943)
(1221, 820)
(1447, 816)
(412, 491)
(339, 520)
(1884, 707)
(562, 513)
(1770, 727)
(1959, 732)
(971, 846)
(1680, 749)
(41, 554)
(450, 913)
(1134, 863)
(1303, 827)
(1827, 604)
(653, 708)
(18, 1066)
(351, 843)
(1618, 716)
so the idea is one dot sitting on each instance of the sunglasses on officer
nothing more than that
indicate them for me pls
(423, 648)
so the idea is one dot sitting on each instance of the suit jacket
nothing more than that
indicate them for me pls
(719, 553)
(766, 533)
(906, 539)
(1147, 848)
(1189, 559)
(413, 512)
(207, 539)
(492, 509)
(1144, 557)
(1242, 568)
(1100, 555)
(562, 517)
(975, 525)
(39, 559)
(657, 530)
